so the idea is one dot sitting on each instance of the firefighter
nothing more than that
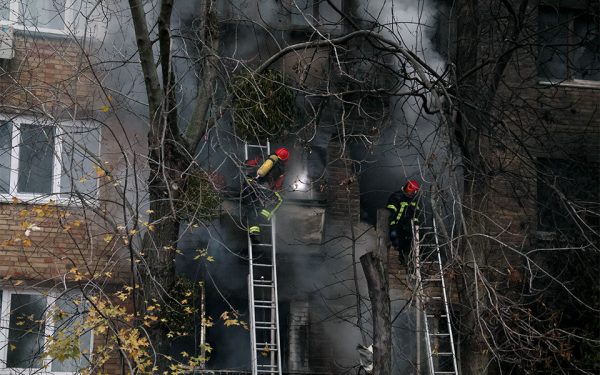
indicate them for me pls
(264, 186)
(404, 212)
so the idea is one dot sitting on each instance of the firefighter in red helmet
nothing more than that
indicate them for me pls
(404, 212)
(264, 186)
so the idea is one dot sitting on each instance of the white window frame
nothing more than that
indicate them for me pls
(55, 195)
(5, 309)
(69, 18)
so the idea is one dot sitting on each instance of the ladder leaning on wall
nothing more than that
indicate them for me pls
(432, 299)
(262, 293)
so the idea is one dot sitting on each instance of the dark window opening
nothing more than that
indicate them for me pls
(567, 197)
(569, 44)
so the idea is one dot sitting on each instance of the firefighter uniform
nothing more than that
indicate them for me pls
(263, 197)
(404, 211)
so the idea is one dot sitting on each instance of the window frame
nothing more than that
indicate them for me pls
(49, 325)
(13, 19)
(312, 17)
(55, 195)
(569, 80)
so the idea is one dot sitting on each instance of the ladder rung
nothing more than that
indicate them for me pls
(262, 245)
(262, 265)
(436, 316)
(265, 225)
(434, 279)
(263, 286)
(268, 366)
(444, 372)
(443, 354)
(265, 328)
(263, 282)
(264, 306)
(264, 348)
(267, 371)
(439, 334)
(263, 301)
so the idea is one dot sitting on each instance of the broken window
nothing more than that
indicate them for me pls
(314, 12)
(569, 46)
(567, 196)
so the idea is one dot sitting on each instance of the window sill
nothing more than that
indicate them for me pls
(32, 371)
(34, 30)
(579, 83)
(44, 199)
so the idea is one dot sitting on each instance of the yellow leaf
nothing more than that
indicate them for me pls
(105, 108)
(108, 238)
(18, 282)
(26, 242)
(15, 200)
(149, 211)
(132, 232)
(82, 179)
(12, 347)
(109, 98)
(210, 258)
(100, 172)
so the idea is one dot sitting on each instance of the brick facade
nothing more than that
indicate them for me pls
(53, 245)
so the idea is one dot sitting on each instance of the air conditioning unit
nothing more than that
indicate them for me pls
(7, 51)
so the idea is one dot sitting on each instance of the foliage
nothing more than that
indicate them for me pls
(117, 330)
(263, 106)
(200, 199)
(180, 315)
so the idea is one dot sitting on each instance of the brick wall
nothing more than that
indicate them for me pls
(343, 197)
(48, 74)
(50, 245)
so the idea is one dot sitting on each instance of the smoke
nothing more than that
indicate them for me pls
(409, 23)
(415, 146)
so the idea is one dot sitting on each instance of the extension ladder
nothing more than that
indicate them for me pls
(433, 300)
(262, 295)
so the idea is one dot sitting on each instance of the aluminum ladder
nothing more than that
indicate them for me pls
(262, 294)
(433, 301)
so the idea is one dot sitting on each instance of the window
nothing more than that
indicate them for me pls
(28, 318)
(569, 44)
(567, 196)
(41, 160)
(35, 15)
(304, 12)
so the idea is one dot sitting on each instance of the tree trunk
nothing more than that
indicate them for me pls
(380, 307)
(376, 274)
(159, 243)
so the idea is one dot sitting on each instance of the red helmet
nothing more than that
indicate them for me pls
(411, 187)
(282, 153)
